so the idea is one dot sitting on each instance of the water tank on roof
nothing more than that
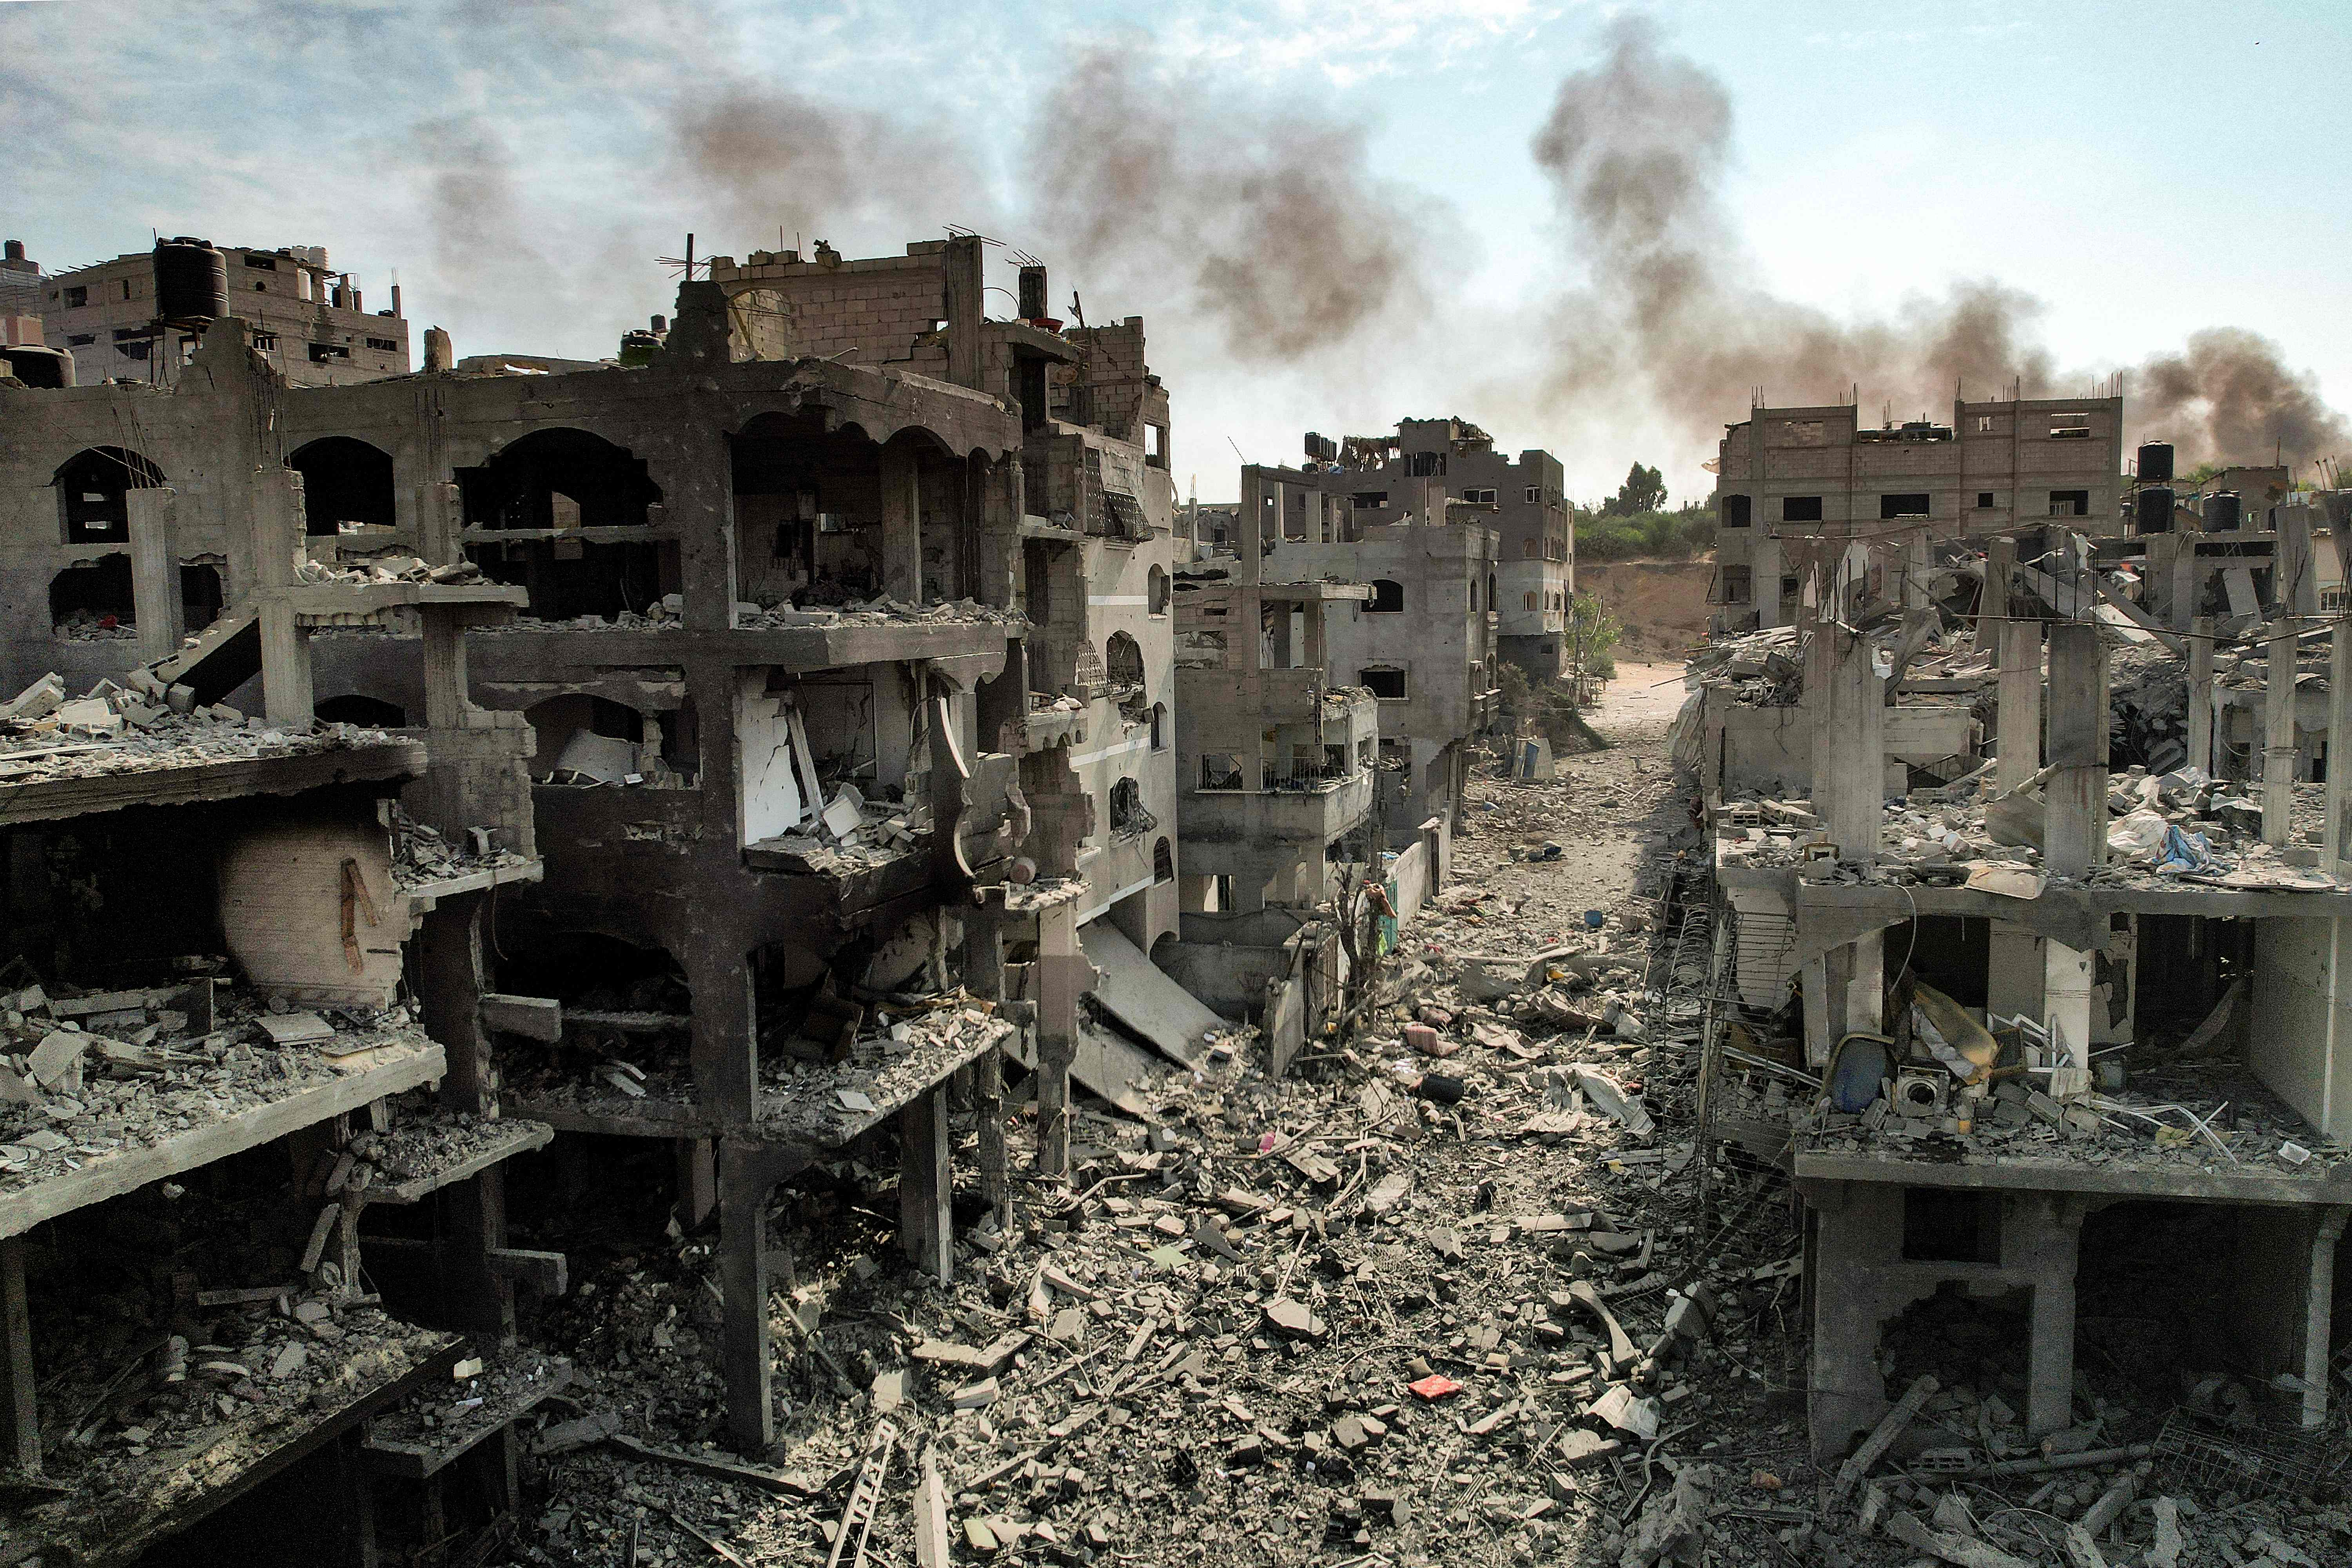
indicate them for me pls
(37, 366)
(2153, 509)
(2155, 462)
(2223, 513)
(190, 281)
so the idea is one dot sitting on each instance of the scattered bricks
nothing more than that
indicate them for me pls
(1292, 1320)
(1349, 1434)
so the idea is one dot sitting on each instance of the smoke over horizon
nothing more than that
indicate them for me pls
(1637, 147)
(776, 159)
(1271, 216)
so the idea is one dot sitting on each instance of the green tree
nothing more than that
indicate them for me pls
(1593, 633)
(1645, 489)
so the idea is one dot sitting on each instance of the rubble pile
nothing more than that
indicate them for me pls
(2181, 826)
(385, 569)
(853, 833)
(185, 1343)
(46, 736)
(97, 625)
(880, 611)
(89, 1074)
(423, 856)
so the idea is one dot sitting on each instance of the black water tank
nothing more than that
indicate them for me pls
(2222, 512)
(2155, 462)
(2153, 508)
(190, 281)
(37, 366)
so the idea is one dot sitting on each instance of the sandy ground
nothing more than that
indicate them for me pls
(1661, 603)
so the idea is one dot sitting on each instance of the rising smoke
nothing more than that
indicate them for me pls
(1637, 147)
(1270, 216)
(773, 159)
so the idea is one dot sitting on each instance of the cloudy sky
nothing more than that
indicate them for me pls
(1600, 229)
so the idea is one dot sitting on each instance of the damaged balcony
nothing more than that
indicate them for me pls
(121, 1089)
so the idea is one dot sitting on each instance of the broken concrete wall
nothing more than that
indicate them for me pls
(2300, 1043)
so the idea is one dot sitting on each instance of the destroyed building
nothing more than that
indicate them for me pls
(1425, 644)
(2021, 991)
(251, 1180)
(1277, 759)
(1785, 477)
(139, 317)
(845, 680)
(1448, 472)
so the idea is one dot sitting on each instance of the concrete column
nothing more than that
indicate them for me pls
(20, 1418)
(1815, 989)
(1858, 1224)
(697, 1179)
(2066, 1001)
(1849, 743)
(1918, 560)
(725, 1048)
(2074, 829)
(2278, 738)
(902, 523)
(743, 1189)
(926, 1228)
(2201, 691)
(1764, 579)
(155, 585)
(2013, 971)
(962, 298)
(1063, 974)
(2187, 582)
(2339, 745)
(2051, 1238)
(2319, 1315)
(1992, 612)
(285, 667)
(2020, 703)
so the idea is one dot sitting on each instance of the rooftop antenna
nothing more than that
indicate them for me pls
(686, 263)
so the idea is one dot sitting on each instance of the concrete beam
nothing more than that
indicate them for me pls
(902, 524)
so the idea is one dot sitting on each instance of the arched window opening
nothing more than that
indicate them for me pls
(1123, 663)
(1163, 862)
(346, 482)
(544, 491)
(92, 602)
(1490, 590)
(1160, 726)
(1127, 817)
(93, 490)
(1387, 595)
(1156, 594)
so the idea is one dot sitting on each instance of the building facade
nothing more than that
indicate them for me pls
(1787, 478)
(1426, 642)
(1380, 480)
(308, 321)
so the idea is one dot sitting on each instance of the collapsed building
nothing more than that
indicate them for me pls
(2023, 988)
(784, 723)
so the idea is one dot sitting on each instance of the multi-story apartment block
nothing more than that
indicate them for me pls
(1787, 478)
(308, 321)
(1380, 480)
(1426, 641)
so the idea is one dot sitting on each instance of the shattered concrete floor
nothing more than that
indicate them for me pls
(1341, 1318)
